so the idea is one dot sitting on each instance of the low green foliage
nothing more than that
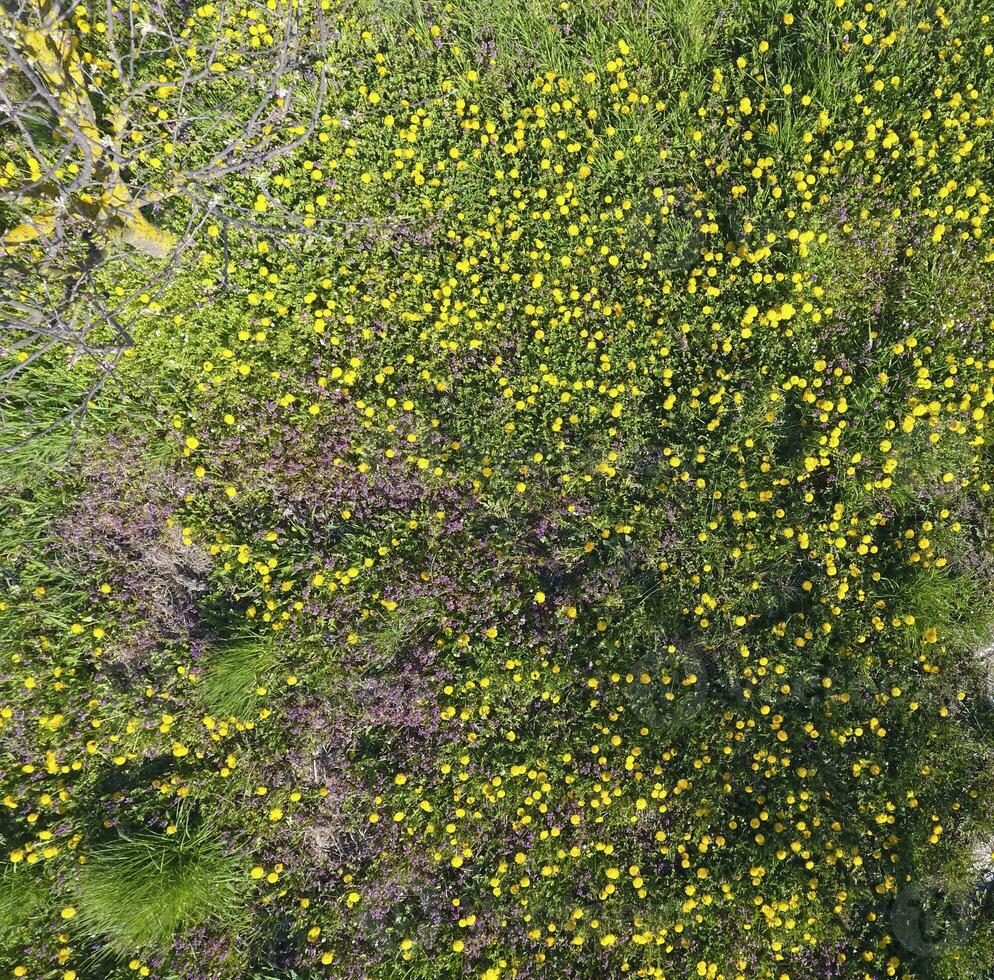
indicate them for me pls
(544, 527)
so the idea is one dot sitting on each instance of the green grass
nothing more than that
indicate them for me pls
(21, 896)
(508, 434)
(233, 671)
(954, 606)
(139, 891)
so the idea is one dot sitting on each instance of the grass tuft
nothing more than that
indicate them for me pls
(232, 675)
(138, 892)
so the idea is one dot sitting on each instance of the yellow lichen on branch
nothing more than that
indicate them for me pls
(37, 227)
(118, 217)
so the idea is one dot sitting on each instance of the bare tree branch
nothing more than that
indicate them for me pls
(114, 113)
